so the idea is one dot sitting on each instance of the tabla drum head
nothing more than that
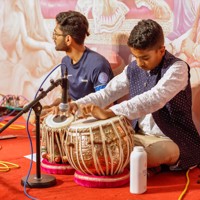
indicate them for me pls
(53, 122)
(92, 122)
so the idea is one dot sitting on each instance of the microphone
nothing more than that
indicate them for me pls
(63, 106)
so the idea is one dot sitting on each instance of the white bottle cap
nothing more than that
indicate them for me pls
(138, 148)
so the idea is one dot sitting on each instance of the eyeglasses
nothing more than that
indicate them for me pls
(57, 34)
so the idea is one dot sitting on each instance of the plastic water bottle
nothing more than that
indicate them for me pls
(138, 170)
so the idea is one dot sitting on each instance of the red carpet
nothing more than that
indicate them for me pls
(164, 186)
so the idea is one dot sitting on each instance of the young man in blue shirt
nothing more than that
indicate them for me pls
(87, 70)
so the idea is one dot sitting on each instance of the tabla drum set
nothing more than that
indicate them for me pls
(97, 152)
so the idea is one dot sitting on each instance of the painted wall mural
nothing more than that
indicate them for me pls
(27, 52)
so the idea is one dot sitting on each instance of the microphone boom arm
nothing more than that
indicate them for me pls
(53, 85)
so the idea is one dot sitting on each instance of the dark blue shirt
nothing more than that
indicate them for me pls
(91, 73)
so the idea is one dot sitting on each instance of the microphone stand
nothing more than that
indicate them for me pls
(38, 180)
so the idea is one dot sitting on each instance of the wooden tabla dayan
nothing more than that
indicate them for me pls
(53, 133)
(100, 151)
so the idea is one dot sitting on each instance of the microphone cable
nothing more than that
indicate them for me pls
(27, 129)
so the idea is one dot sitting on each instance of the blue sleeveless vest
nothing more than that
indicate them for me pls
(175, 118)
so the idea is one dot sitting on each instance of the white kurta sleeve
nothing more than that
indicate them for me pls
(173, 81)
(115, 89)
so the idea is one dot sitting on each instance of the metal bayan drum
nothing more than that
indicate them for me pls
(99, 147)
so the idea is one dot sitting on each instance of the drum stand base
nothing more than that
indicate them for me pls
(43, 182)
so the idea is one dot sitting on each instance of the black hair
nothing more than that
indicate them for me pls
(73, 23)
(147, 34)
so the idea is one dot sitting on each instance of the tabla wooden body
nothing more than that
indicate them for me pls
(53, 154)
(99, 147)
